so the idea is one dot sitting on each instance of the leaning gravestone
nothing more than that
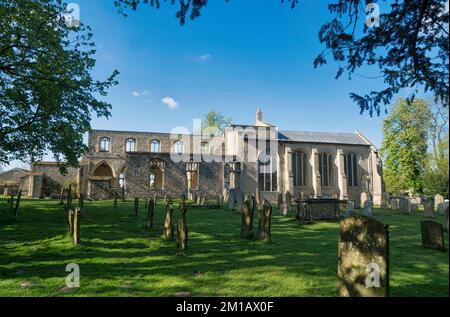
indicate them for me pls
(350, 206)
(168, 225)
(384, 204)
(432, 235)
(368, 208)
(405, 205)
(428, 206)
(363, 263)
(280, 202)
(247, 220)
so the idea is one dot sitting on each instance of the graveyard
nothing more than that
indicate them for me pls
(123, 252)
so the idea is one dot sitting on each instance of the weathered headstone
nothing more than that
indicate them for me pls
(368, 208)
(364, 196)
(350, 206)
(280, 202)
(70, 215)
(61, 196)
(150, 214)
(414, 205)
(384, 204)
(405, 205)
(439, 203)
(395, 203)
(247, 220)
(69, 196)
(286, 204)
(240, 200)
(428, 208)
(432, 235)
(116, 196)
(76, 226)
(264, 223)
(168, 225)
(136, 207)
(16, 209)
(363, 262)
(123, 194)
(81, 204)
(203, 199)
(155, 199)
(446, 219)
(182, 241)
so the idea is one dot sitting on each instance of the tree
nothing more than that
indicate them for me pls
(405, 144)
(214, 122)
(47, 93)
(409, 45)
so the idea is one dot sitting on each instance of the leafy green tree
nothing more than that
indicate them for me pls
(47, 92)
(409, 47)
(405, 144)
(213, 121)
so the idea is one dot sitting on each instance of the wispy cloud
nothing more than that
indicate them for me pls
(137, 93)
(170, 102)
(205, 57)
(108, 57)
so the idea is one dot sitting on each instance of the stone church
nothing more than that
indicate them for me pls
(140, 164)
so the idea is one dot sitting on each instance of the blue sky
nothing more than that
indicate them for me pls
(234, 58)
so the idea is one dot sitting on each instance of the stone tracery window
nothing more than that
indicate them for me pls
(155, 146)
(268, 172)
(130, 145)
(156, 176)
(299, 168)
(351, 169)
(326, 169)
(178, 147)
(104, 144)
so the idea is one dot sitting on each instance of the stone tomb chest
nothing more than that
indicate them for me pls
(309, 210)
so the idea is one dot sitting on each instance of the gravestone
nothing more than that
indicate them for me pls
(395, 203)
(61, 196)
(182, 239)
(439, 203)
(405, 205)
(16, 209)
(384, 204)
(414, 205)
(168, 225)
(350, 206)
(150, 213)
(432, 235)
(247, 220)
(368, 208)
(136, 207)
(363, 262)
(364, 196)
(81, 204)
(446, 219)
(280, 202)
(240, 200)
(287, 203)
(70, 218)
(116, 196)
(428, 206)
(76, 226)
(264, 223)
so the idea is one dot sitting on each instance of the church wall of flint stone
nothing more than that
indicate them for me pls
(308, 164)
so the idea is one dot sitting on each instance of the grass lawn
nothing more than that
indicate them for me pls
(119, 257)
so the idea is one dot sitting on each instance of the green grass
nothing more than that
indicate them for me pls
(119, 257)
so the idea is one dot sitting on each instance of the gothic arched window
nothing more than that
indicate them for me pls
(130, 145)
(351, 169)
(326, 170)
(299, 168)
(104, 144)
(155, 146)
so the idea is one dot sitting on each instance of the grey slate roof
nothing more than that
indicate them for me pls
(321, 137)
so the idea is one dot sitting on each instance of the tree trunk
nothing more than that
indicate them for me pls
(16, 210)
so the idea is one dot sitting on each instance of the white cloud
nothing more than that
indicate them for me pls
(139, 94)
(145, 93)
(109, 57)
(135, 93)
(170, 102)
(204, 57)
